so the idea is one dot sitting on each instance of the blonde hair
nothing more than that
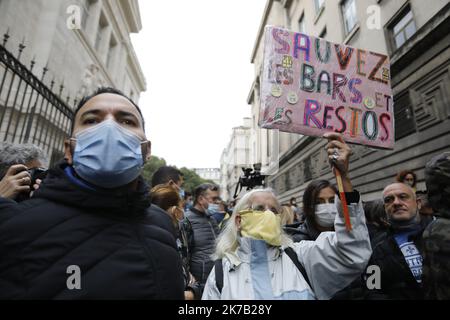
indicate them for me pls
(286, 215)
(168, 199)
(227, 242)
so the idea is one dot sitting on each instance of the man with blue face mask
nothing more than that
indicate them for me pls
(92, 216)
(202, 230)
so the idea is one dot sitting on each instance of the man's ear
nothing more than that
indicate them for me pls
(68, 151)
(237, 220)
(148, 148)
(419, 204)
(172, 183)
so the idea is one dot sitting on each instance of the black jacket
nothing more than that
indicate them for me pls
(397, 280)
(203, 234)
(300, 231)
(182, 240)
(124, 248)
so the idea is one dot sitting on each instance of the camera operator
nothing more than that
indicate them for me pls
(250, 179)
(20, 170)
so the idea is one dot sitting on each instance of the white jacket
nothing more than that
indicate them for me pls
(258, 271)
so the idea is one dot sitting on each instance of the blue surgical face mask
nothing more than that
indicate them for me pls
(182, 193)
(213, 208)
(108, 155)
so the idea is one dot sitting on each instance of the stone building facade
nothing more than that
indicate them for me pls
(415, 35)
(55, 52)
(235, 156)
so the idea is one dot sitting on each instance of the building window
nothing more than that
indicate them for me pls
(87, 7)
(319, 4)
(348, 8)
(307, 174)
(403, 28)
(323, 34)
(301, 24)
(287, 181)
(405, 122)
(110, 59)
(101, 32)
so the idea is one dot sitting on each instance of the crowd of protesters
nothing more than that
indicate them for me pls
(131, 239)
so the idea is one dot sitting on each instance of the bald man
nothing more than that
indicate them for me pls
(397, 251)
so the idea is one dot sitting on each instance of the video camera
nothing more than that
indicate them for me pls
(250, 179)
(35, 173)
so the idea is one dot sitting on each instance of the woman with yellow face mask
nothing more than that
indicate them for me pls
(256, 260)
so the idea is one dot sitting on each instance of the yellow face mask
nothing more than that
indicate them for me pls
(261, 225)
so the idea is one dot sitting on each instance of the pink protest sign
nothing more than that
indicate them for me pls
(311, 86)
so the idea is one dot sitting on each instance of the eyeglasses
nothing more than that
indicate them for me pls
(261, 207)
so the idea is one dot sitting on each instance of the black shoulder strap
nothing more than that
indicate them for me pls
(291, 253)
(219, 274)
(187, 226)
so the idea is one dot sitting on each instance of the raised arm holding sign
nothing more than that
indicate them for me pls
(339, 154)
(317, 88)
(311, 86)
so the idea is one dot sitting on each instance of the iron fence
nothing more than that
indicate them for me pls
(30, 111)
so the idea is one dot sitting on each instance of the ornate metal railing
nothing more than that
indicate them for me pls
(30, 112)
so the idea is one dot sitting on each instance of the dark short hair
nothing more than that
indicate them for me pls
(310, 196)
(99, 91)
(402, 175)
(201, 189)
(165, 174)
(375, 212)
(423, 196)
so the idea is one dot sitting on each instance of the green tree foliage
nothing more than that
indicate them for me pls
(191, 179)
(151, 166)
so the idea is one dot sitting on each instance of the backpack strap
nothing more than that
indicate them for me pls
(219, 274)
(291, 253)
(187, 226)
